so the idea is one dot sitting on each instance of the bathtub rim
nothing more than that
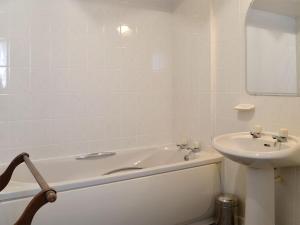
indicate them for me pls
(22, 190)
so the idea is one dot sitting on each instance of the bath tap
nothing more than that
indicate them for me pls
(192, 150)
(182, 146)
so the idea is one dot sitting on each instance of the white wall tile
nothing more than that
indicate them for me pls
(77, 51)
(5, 109)
(20, 107)
(20, 58)
(21, 134)
(19, 80)
(59, 55)
(40, 51)
(18, 21)
(42, 132)
(4, 135)
(76, 82)
(41, 80)
(96, 50)
(192, 80)
(4, 27)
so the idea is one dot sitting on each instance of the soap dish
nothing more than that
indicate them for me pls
(244, 107)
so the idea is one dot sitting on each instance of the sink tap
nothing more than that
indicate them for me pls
(282, 136)
(255, 134)
(280, 139)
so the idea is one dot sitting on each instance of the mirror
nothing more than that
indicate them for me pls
(273, 48)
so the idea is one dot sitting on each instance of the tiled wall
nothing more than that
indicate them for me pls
(192, 80)
(91, 75)
(271, 112)
(83, 76)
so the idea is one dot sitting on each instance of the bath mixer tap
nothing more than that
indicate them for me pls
(182, 146)
(192, 150)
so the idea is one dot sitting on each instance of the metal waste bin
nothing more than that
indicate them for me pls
(227, 210)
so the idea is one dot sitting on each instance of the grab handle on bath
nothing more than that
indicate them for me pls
(95, 155)
(46, 194)
(123, 170)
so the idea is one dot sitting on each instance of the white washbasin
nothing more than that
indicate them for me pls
(259, 152)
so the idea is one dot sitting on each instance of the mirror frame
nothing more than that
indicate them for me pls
(246, 66)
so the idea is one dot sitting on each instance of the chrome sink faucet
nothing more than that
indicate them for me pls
(256, 132)
(282, 135)
(279, 138)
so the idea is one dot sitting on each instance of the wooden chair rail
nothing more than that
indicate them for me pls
(46, 194)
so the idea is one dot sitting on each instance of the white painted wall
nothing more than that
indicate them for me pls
(271, 53)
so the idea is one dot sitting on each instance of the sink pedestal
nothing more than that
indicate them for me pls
(260, 198)
(264, 154)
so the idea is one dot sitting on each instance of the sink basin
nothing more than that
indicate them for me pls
(261, 152)
(261, 155)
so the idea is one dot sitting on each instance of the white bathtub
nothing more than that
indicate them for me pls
(167, 191)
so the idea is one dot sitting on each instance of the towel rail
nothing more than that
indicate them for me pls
(47, 194)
